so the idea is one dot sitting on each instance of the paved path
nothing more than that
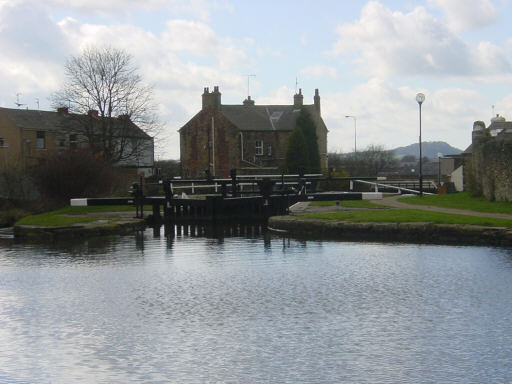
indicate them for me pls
(392, 201)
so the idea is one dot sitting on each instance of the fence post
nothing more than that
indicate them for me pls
(141, 178)
(233, 183)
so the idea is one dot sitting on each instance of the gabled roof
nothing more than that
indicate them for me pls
(54, 121)
(30, 119)
(265, 117)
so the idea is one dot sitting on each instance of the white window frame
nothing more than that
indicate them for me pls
(258, 147)
(41, 141)
(73, 141)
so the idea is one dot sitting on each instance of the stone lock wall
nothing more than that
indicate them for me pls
(491, 166)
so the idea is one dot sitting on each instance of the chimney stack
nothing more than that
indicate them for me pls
(317, 101)
(298, 99)
(93, 113)
(62, 110)
(248, 101)
(211, 100)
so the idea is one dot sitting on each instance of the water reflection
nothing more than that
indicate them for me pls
(253, 307)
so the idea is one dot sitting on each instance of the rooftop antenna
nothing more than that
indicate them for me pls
(37, 102)
(493, 110)
(17, 102)
(296, 84)
(248, 89)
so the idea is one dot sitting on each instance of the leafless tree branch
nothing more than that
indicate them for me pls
(106, 81)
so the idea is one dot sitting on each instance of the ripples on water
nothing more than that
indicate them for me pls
(253, 309)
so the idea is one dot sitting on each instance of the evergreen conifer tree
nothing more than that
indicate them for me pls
(309, 154)
(295, 153)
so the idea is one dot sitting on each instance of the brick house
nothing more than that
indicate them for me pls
(249, 138)
(29, 136)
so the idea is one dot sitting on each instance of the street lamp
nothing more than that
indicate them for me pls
(420, 98)
(355, 132)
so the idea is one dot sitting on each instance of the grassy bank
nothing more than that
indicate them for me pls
(347, 203)
(77, 215)
(461, 200)
(408, 216)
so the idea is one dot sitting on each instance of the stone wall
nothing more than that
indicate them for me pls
(197, 154)
(226, 151)
(491, 165)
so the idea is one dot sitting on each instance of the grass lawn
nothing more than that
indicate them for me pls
(409, 216)
(461, 200)
(346, 203)
(59, 217)
(50, 219)
(98, 208)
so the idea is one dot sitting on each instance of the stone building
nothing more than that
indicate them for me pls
(27, 137)
(250, 138)
(491, 173)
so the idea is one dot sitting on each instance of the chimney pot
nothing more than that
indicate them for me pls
(62, 110)
(93, 113)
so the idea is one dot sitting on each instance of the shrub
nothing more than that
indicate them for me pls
(72, 174)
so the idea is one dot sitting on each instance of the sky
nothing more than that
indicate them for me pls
(368, 59)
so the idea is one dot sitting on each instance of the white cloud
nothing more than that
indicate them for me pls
(462, 15)
(390, 117)
(320, 71)
(199, 39)
(503, 107)
(198, 8)
(281, 96)
(415, 43)
(35, 48)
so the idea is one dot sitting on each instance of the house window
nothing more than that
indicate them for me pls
(72, 141)
(258, 149)
(1, 142)
(41, 140)
(269, 150)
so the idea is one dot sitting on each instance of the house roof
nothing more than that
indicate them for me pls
(54, 121)
(265, 117)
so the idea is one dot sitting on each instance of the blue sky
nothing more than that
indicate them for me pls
(368, 59)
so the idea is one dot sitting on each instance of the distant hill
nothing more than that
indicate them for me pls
(429, 149)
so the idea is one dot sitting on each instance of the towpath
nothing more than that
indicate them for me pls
(392, 202)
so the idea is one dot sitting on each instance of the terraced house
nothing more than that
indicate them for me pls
(27, 137)
(248, 137)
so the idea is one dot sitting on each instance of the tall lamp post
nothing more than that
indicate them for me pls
(355, 132)
(420, 98)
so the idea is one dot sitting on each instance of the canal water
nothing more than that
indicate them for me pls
(258, 308)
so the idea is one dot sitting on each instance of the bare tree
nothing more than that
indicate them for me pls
(370, 162)
(108, 101)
